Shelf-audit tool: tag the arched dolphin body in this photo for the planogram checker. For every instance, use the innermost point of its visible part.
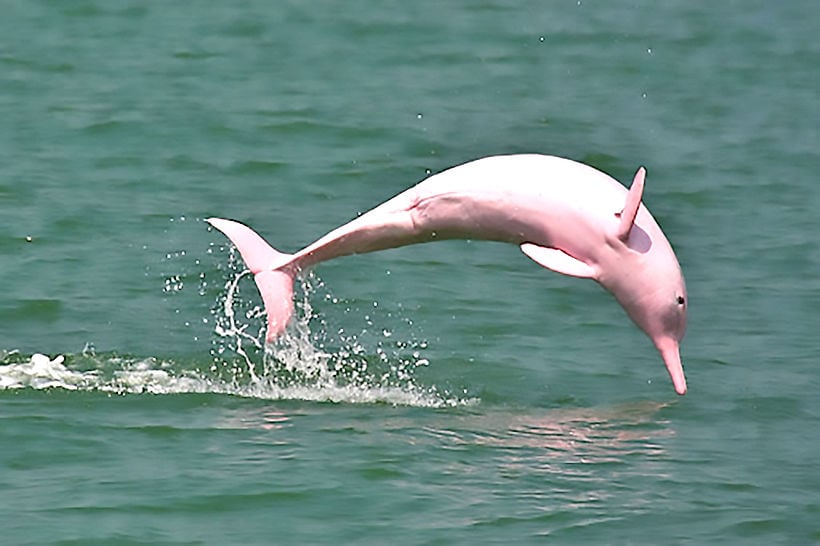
(566, 216)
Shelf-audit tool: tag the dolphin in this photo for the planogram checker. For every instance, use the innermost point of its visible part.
(566, 216)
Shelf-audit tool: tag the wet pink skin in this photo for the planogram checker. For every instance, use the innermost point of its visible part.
(564, 215)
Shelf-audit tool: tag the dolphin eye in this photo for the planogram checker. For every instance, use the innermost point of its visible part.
(681, 301)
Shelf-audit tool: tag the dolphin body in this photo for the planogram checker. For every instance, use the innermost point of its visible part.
(564, 215)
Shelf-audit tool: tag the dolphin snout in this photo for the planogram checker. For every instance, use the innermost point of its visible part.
(670, 351)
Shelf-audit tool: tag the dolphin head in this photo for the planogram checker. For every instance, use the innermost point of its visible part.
(645, 277)
(649, 286)
(656, 301)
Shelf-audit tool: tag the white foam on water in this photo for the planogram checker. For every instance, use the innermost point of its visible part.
(130, 376)
(41, 372)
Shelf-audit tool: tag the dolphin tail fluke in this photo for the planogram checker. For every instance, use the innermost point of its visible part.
(273, 277)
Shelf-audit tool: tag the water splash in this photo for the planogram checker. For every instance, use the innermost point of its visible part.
(309, 362)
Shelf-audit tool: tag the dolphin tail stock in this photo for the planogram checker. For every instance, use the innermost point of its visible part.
(273, 277)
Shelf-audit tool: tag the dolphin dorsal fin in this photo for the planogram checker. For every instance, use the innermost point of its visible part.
(633, 202)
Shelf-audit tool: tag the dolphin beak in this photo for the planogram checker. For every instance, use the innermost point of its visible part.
(670, 352)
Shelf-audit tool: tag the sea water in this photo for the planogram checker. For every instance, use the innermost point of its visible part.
(447, 393)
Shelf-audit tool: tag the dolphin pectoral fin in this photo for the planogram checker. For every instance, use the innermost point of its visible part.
(633, 202)
(558, 261)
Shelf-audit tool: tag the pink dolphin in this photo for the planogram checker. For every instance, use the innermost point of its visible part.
(564, 215)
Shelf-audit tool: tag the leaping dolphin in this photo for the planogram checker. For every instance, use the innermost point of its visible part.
(564, 215)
